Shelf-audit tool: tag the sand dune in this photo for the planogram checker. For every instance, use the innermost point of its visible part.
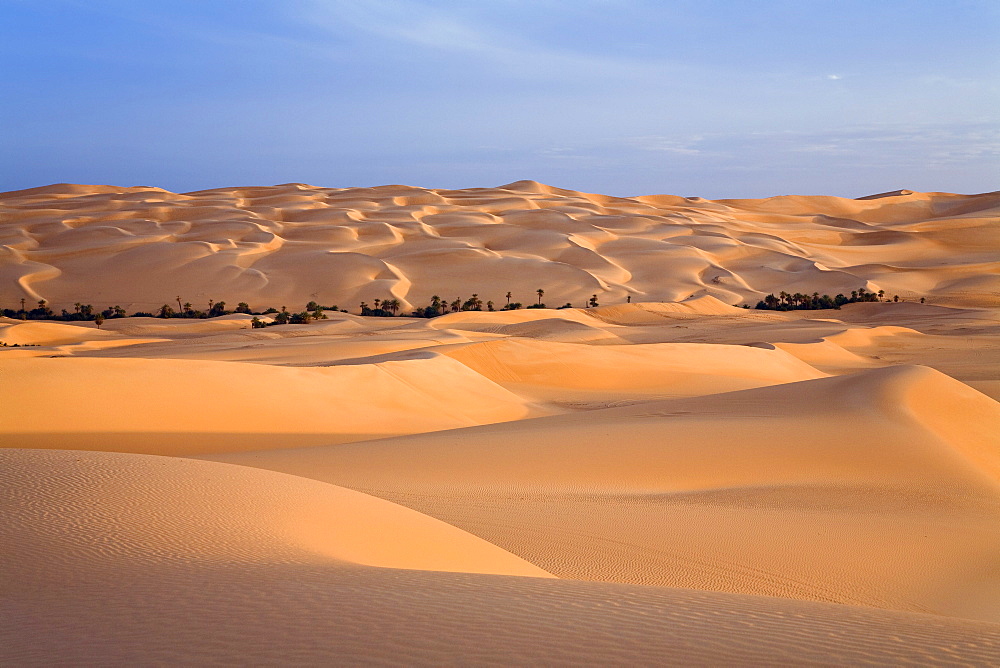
(786, 501)
(171, 560)
(564, 370)
(104, 509)
(159, 406)
(284, 245)
(666, 479)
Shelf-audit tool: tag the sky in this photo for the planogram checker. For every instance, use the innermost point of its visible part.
(711, 98)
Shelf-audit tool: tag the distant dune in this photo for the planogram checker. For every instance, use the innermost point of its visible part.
(286, 245)
(661, 479)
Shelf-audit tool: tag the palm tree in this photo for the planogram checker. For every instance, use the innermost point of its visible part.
(99, 320)
(508, 299)
(377, 302)
(540, 293)
(180, 308)
(489, 306)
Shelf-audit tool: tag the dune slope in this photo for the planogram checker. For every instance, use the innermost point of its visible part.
(165, 407)
(758, 491)
(168, 560)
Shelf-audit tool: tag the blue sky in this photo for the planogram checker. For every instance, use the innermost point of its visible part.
(716, 98)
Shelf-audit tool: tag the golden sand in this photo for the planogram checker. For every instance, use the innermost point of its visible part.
(674, 480)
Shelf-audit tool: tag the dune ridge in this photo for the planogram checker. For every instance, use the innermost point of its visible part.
(288, 244)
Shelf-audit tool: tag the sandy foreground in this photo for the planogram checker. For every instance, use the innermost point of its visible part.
(674, 480)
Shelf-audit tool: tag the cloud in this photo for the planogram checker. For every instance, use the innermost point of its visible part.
(434, 27)
(664, 144)
(834, 77)
(888, 146)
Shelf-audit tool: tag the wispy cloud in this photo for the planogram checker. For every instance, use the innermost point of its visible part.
(885, 145)
(664, 144)
(411, 23)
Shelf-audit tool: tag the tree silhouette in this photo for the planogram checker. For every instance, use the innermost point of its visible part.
(798, 300)
(43, 312)
(540, 293)
(474, 303)
(99, 320)
(508, 298)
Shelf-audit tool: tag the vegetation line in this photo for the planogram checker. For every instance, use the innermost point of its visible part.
(384, 308)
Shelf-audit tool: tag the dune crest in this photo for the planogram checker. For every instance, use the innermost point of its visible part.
(288, 244)
(106, 507)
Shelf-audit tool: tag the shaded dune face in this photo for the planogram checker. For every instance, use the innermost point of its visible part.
(288, 244)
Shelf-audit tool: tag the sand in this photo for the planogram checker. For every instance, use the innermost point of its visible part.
(286, 245)
(675, 480)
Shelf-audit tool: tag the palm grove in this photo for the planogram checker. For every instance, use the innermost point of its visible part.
(391, 307)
